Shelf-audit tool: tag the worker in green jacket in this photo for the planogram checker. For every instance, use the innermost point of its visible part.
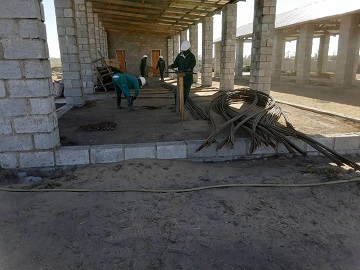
(123, 84)
(185, 61)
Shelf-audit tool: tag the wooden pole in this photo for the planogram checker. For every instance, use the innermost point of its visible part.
(181, 95)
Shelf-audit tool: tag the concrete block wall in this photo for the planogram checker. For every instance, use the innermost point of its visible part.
(207, 50)
(135, 47)
(304, 50)
(69, 49)
(101, 154)
(228, 40)
(262, 45)
(28, 121)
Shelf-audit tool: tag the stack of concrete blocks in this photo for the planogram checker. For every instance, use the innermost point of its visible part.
(262, 46)
(91, 30)
(228, 39)
(193, 34)
(28, 121)
(207, 49)
(84, 47)
(304, 50)
(239, 57)
(69, 49)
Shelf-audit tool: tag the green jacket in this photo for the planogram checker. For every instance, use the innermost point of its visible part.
(185, 63)
(126, 82)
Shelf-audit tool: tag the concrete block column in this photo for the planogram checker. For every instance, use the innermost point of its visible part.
(69, 49)
(239, 57)
(262, 45)
(183, 36)
(91, 33)
(217, 62)
(97, 35)
(278, 55)
(170, 55)
(207, 48)
(348, 51)
(176, 45)
(323, 56)
(106, 44)
(304, 54)
(28, 121)
(84, 47)
(228, 40)
(193, 34)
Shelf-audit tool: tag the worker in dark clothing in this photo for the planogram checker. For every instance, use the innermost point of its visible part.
(123, 84)
(161, 67)
(143, 65)
(185, 61)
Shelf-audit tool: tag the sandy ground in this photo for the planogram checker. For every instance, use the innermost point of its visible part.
(227, 228)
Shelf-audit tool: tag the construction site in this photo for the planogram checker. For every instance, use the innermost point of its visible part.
(257, 169)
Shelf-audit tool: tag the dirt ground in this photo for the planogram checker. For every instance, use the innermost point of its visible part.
(219, 228)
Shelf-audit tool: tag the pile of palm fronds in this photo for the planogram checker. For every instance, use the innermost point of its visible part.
(258, 117)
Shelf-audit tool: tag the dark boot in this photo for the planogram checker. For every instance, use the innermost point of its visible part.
(118, 102)
(130, 103)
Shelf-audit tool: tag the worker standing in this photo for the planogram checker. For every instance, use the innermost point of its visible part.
(143, 65)
(123, 84)
(161, 67)
(185, 61)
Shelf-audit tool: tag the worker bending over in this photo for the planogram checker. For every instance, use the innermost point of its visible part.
(185, 61)
(123, 84)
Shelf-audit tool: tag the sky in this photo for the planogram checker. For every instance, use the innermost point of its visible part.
(245, 14)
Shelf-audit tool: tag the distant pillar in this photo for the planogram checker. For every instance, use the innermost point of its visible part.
(69, 49)
(323, 53)
(207, 48)
(170, 56)
(193, 33)
(278, 56)
(228, 40)
(183, 36)
(97, 34)
(91, 30)
(176, 45)
(217, 61)
(29, 130)
(348, 51)
(239, 64)
(262, 45)
(304, 54)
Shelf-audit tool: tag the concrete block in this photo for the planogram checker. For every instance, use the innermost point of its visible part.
(5, 126)
(140, 150)
(10, 70)
(13, 107)
(9, 160)
(37, 69)
(36, 159)
(171, 150)
(42, 105)
(47, 140)
(8, 29)
(264, 150)
(2, 89)
(30, 88)
(33, 124)
(24, 49)
(21, 9)
(15, 143)
(240, 148)
(72, 155)
(281, 149)
(206, 152)
(106, 153)
(348, 141)
(326, 140)
(32, 29)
